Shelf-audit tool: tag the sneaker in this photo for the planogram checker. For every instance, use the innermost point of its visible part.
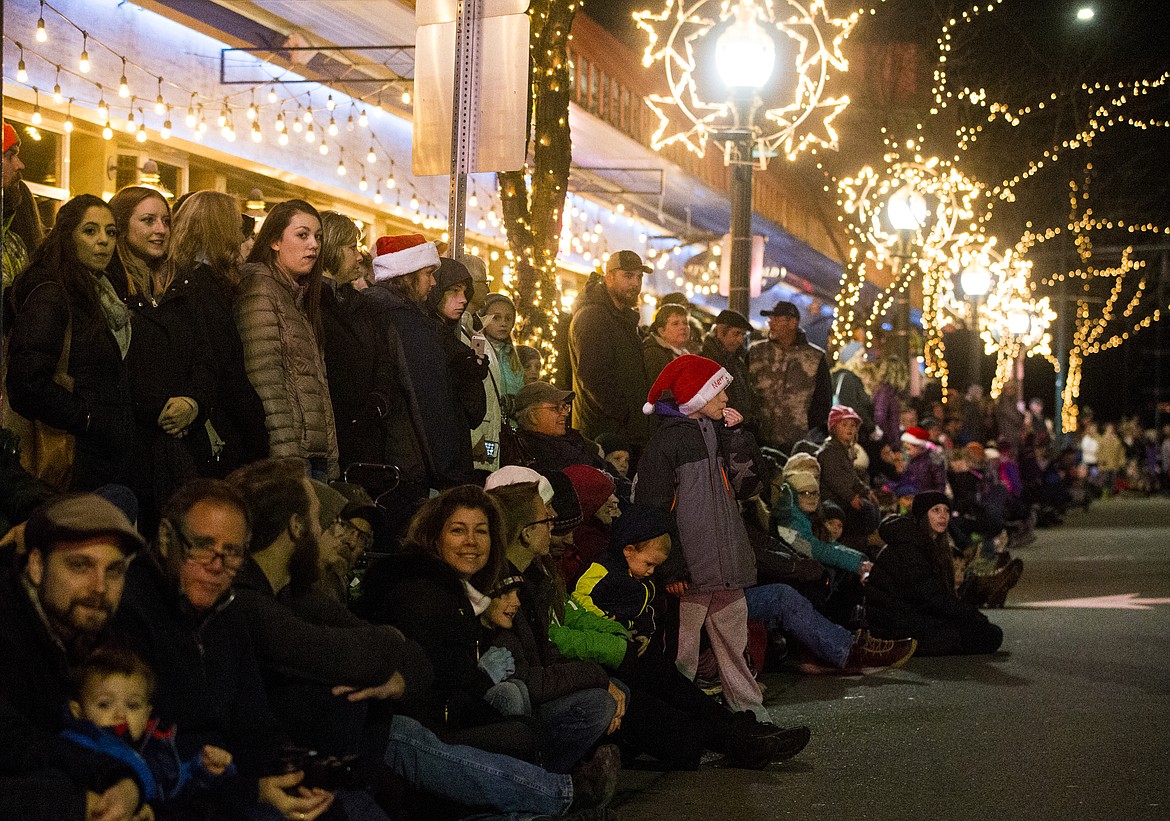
(870, 654)
(755, 744)
(595, 781)
(1003, 581)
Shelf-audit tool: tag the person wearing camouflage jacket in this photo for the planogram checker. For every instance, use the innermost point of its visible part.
(791, 387)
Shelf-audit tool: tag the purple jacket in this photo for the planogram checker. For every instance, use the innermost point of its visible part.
(927, 472)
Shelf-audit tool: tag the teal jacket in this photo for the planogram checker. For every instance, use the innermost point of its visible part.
(786, 513)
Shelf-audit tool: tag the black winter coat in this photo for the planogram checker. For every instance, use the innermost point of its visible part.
(424, 598)
(362, 382)
(539, 666)
(236, 413)
(609, 374)
(209, 681)
(99, 409)
(445, 437)
(34, 687)
(912, 582)
(169, 356)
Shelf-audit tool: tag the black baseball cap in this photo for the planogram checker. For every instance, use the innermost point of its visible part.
(733, 319)
(783, 308)
(626, 261)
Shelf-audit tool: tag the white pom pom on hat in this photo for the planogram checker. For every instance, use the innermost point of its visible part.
(692, 380)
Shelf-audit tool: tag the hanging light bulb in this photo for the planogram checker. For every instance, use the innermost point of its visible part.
(165, 131)
(472, 201)
(190, 119)
(323, 148)
(131, 126)
(140, 134)
(371, 158)
(329, 104)
(160, 105)
(414, 203)
(340, 166)
(58, 98)
(406, 98)
(103, 110)
(310, 134)
(69, 118)
(283, 138)
(36, 112)
(272, 94)
(390, 182)
(222, 120)
(280, 126)
(363, 185)
(332, 128)
(42, 35)
(83, 63)
(378, 196)
(363, 120)
(202, 127)
(308, 115)
(256, 135)
(298, 126)
(107, 133)
(123, 86)
(21, 72)
(253, 112)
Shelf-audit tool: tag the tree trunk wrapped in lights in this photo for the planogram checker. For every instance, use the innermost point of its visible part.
(534, 198)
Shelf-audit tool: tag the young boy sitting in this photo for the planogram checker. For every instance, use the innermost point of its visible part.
(697, 465)
(111, 706)
(667, 716)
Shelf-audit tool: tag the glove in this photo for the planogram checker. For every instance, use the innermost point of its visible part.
(498, 663)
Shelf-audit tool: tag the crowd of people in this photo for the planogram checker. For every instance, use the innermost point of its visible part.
(293, 530)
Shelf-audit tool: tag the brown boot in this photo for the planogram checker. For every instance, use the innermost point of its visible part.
(870, 654)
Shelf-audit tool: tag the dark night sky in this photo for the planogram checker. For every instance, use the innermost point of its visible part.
(1023, 47)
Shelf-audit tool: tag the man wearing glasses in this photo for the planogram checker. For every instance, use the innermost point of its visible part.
(53, 610)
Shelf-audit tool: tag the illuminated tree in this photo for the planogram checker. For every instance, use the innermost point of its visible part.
(534, 198)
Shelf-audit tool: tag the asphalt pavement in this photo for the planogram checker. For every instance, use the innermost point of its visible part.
(1070, 720)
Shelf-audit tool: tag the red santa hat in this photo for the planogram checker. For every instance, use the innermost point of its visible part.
(401, 255)
(692, 380)
(916, 436)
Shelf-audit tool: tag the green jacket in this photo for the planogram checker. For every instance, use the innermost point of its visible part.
(585, 635)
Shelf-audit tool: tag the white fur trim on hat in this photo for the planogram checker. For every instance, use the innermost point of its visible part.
(709, 391)
(406, 261)
(910, 439)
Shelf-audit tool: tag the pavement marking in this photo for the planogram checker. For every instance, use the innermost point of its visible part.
(1121, 601)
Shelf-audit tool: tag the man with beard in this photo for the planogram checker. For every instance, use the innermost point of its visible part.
(54, 609)
(320, 662)
(609, 377)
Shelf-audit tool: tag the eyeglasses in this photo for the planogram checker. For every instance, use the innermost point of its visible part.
(549, 521)
(563, 407)
(360, 537)
(232, 556)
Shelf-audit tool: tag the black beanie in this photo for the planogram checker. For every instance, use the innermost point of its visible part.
(564, 502)
(925, 501)
(639, 523)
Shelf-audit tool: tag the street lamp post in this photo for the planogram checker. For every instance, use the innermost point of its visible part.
(745, 57)
(907, 212)
(975, 282)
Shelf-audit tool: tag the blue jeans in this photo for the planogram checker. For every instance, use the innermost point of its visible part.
(778, 606)
(473, 777)
(573, 724)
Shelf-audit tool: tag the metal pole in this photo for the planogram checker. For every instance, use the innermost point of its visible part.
(975, 355)
(1062, 346)
(901, 319)
(464, 116)
(1161, 338)
(739, 291)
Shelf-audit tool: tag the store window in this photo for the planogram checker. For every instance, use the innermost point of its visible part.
(41, 153)
(139, 168)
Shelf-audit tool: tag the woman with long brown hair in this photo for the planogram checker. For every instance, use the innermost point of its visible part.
(64, 298)
(170, 375)
(278, 313)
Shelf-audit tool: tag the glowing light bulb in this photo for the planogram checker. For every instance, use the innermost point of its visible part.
(107, 133)
(329, 104)
(363, 120)
(140, 135)
(378, 198)
(131, 126)
(371, 158)
(340, 167)
(160, 105)
(283, 138)
(406, 98)
(42, 35)
(165, 131)
(83, 63)
(323, 148)
(390, 182)
(308, 115)
(332, 128)
(253, 112)
(123, 86)
(310, 134)
(256, 135)
(362, 184)
(21, 73)
(272, 95)
(58, 98)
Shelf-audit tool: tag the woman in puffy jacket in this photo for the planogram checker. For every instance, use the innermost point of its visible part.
(278, 313)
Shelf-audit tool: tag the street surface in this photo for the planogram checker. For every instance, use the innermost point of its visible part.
(1071, 720)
